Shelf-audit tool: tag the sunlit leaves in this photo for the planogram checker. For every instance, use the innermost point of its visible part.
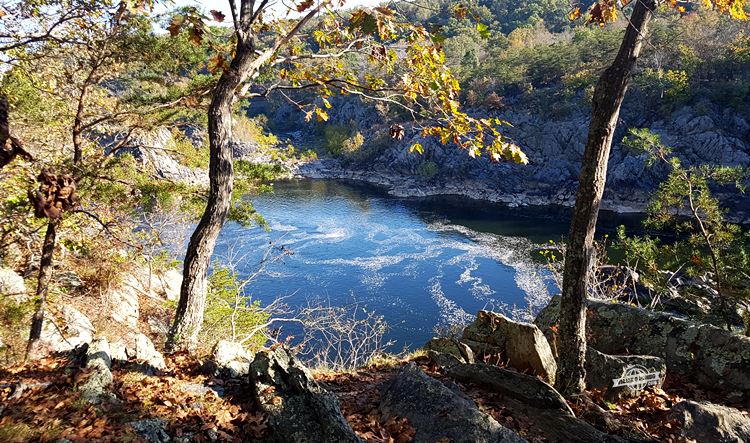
(217, 63)
(484, 30)
(605, 11)
(175, 24)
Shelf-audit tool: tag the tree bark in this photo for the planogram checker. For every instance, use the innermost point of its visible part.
(189, 316)
(42, 286)
(608, 97)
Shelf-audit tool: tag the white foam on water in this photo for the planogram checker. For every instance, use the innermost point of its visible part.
(374, 280)
(450, 313)
(513, 252)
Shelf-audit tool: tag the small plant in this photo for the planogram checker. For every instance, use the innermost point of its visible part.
(185, 152)
(248, 129)
(341, 338)
(230, 313)
(428, 170)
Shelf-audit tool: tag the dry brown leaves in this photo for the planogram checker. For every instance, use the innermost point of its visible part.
(49, 407)
(359, 395)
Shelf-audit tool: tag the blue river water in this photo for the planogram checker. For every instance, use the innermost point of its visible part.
(420, 263)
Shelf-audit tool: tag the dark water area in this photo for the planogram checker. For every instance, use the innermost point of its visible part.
(421, 263)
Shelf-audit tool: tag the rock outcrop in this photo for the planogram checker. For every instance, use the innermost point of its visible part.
(299, 409)
(438, 413)
(537, 401)
(151, 149)
(603, 369)
(71, 329)
(142, 348)
(229, 359)
(123, 298)
(709, 356)
(702, 421)
(98, 365)
(522, 345)
(446, 352)
(12, 286)
(554, 146)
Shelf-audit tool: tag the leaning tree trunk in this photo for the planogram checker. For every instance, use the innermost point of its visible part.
(608, 97)
(189, 316)
(42, 286)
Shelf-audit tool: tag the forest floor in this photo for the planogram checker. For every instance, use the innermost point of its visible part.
(39, 402)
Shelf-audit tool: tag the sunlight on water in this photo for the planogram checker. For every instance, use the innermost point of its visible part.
(419, 264)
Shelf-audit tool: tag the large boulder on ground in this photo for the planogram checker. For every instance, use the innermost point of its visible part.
(230, 359)
(123, 298)
(450, 346)
(703, 421)
(522, 387)
(603, 369)
(66, 331)
(12, 286)
(140, 347)
(438, 413)
(522, 344)
(709, 356)
(298, 408)
(98, 365)
(534, 400)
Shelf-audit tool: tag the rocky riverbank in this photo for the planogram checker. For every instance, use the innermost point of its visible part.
(553, 144)
(493, 382)
(554, 147)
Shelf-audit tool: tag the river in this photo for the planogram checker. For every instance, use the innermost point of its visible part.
(420, 263)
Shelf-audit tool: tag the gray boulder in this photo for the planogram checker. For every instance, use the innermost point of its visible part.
(522, 345)
(298, 408)
(152, 430)
(71, 329)
(98, 364)
(438, 413)
(535, 401)
(12, 286)
(703, 421)
(142, 348)
(68, 279)
(524, 388)
(709, 356)
(230, 359)
(451, 346)
(118, 350)
(603, 369)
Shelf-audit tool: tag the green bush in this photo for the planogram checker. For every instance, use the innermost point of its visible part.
(428, 170)
(230, 313)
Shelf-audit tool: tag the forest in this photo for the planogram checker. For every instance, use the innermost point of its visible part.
(430, 221)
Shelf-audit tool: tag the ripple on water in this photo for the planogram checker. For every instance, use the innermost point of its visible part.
(417, 272)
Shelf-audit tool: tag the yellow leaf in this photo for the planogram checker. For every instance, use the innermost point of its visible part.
(321, 115)
(416, 147)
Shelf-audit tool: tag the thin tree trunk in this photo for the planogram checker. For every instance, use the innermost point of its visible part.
(608, 97)
(42, 286)
(189, 316)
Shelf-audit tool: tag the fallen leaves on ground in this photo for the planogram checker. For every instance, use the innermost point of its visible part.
(49, 407)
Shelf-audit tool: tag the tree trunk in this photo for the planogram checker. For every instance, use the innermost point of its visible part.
(189, 316)
(42, 286)
(608, 97)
